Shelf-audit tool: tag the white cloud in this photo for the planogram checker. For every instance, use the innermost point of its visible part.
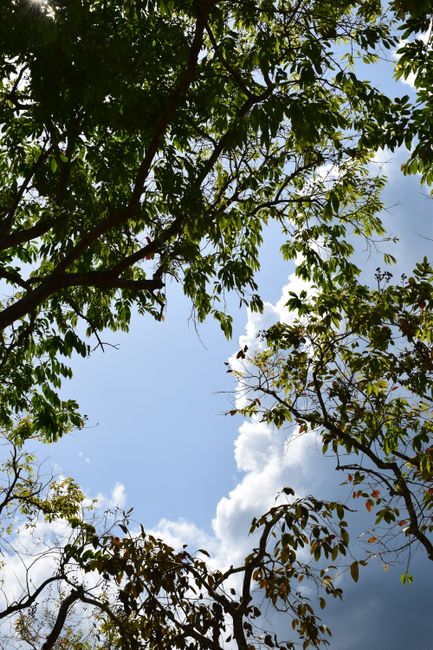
(253, 446)
(117, 499)
(262, 453)
(177, 533)
(32, 554)
(118, 496)
(20, 563)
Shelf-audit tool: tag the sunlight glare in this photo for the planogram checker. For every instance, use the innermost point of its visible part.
(42, 5)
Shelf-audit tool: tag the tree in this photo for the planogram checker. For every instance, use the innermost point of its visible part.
(147, 140)
(355, 365)
(415, 59)
(142, 141)
(356, 368)
(87, 579)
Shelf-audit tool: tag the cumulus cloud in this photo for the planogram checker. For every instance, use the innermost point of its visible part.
(268, 460)
(117, 498)
(263, 455)
(177, 533)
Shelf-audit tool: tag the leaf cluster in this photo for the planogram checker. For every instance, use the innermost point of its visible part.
(112, 584)
(356, 369)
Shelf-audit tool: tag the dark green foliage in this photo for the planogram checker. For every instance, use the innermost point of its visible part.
(405, 122)
(143, 141)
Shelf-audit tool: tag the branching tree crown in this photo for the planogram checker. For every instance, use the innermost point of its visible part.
(142, 141)
(88, 579)
(357, 369)
(147, 140)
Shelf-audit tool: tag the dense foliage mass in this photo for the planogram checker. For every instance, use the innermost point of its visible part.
(142, 141)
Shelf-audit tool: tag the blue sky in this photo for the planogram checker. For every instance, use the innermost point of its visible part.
(156, 408)
(157, 427)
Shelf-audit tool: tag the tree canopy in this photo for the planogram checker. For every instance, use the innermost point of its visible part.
(356, 368)
(143, 141)
(89, 579)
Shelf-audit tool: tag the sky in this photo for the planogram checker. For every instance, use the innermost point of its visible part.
(157, 437)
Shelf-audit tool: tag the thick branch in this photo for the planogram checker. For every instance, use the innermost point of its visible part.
(61, 618)
(24, 603)
(120, 216)
(99, 280)
(13, 277)
(105, 280)
(21, 236)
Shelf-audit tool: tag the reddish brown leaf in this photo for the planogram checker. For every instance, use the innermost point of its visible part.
(354, 571)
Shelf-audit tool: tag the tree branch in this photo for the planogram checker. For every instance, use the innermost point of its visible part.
(56, 282)
(346, 438)
(75, 595)
(177, 94)
(24, 603)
